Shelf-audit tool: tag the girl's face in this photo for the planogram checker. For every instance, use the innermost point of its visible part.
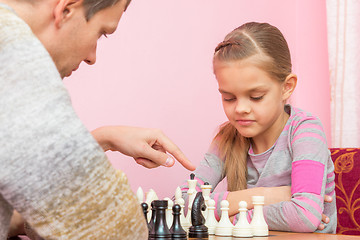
(253, 101)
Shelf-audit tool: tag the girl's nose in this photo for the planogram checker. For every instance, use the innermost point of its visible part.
(242, 107)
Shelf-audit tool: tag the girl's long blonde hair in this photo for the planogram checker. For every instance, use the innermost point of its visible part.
(248, 40)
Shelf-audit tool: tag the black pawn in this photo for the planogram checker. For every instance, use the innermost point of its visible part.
(176, 229)
(160, 229)
(145, 210)
(192, 176)
(152, 220)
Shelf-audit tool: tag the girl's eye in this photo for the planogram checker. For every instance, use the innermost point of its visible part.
(104, 34)
(257, 98)
(228, 99)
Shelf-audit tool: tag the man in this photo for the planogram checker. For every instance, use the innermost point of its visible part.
(54, 172)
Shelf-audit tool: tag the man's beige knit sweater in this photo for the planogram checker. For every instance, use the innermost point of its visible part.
(52, 170)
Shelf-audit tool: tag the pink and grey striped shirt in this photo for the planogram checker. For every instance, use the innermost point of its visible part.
(300, 158)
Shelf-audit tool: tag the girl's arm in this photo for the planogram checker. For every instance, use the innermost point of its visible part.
(271, 195)
(210, 170)
(311, 179)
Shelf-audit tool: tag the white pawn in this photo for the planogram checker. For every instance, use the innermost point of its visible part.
(178, 193)
(183, 221)
(224, 227)
(211, 221)
(150, 196)
(258, 224)
(242, 227)
(168, 212)
(140, 195)
(206, 190)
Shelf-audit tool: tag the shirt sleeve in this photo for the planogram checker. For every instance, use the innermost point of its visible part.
(209, 170)
(310, 157)
(52, 170)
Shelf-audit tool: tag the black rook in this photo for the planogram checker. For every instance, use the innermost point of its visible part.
(160, 229)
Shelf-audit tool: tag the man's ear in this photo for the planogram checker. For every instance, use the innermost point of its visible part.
(64, 9)
(289, 86)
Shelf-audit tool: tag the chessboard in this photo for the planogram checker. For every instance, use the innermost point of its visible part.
(273, 235)
(277, 235)
(167, 220)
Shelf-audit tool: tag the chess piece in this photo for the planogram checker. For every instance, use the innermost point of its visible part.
(140, 195)
(177, 232)
(258, 224)
(145, 207)
(178, 193)
(242, 227)
(224, 227)
(183, 221)
(211, 221)
(198, 228)
(191, 194)
(150, 197)
(153, 216)
(206, 190)
(160, 229)
(169, 212)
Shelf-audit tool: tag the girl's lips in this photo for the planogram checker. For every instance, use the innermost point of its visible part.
(245, 122)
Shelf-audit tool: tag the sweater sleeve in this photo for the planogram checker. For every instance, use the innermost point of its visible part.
(53, 171)
(209, 170)
(310, 156)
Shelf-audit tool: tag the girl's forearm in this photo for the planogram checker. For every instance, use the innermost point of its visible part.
(271, 194)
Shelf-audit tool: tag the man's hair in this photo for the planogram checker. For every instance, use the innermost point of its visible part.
(94, 6)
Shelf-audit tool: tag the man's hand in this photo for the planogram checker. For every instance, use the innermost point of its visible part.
(16, 225)
(147, 146)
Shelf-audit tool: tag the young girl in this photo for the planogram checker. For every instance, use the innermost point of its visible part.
(267, 147)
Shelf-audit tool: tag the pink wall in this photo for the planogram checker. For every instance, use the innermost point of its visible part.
(156, 71)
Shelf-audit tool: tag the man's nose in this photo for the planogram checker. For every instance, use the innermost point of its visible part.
(91, 58)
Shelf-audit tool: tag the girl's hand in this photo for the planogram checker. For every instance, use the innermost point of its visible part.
(147, 146)
(325, 218)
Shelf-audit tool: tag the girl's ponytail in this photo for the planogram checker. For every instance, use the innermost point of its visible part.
(233, 148)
